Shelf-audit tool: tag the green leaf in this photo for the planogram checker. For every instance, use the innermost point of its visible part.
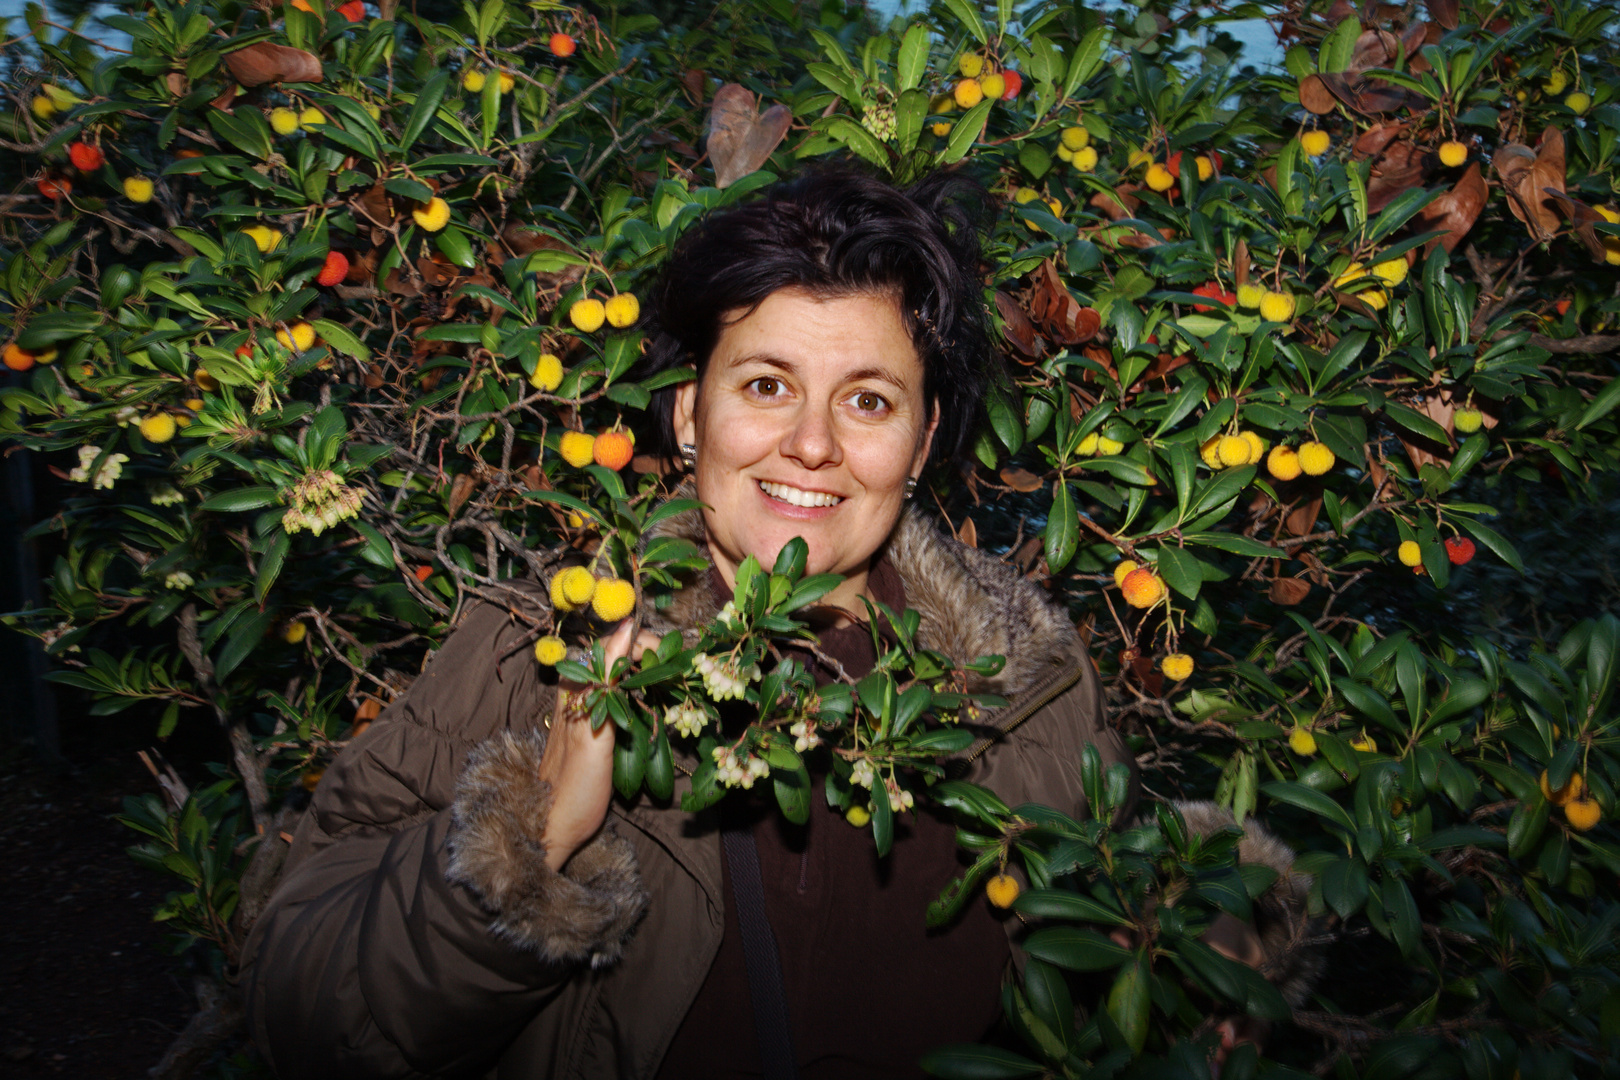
(1180, 571)
(1493, 540)
(792, 793)
(230, 502)
(969, 18)
(1416, 423)
(243, 638)
(341, 339)
(427, 104)
(850, 133)
(965, 133)
(1087, 58)
(971, 1061)
(913, 57)
(1061, 904)
(275, 555)
(1309, 799)
(1076, 949)
(453, 244)
(1601, 405)
(376, 550)
(1062, 530)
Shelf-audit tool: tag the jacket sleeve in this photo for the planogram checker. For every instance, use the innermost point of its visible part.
(417, 928)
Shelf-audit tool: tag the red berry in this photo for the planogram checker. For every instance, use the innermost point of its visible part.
(1459, 549)
(336, 267)
(245, 350)
(562, 44)
(354, 11)
(86, 158)
(1015, 83)
(55, 187)
(1214, 292)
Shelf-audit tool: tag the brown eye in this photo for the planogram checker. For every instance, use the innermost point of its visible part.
(869, 402)
(767, 386)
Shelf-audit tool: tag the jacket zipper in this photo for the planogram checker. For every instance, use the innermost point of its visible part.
(1060, 682)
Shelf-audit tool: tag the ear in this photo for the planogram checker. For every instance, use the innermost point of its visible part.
(927, 444)
(683, 418)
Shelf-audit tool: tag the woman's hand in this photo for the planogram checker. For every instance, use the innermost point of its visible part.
(578, 762)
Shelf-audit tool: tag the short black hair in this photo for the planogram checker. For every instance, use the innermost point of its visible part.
(833, 232)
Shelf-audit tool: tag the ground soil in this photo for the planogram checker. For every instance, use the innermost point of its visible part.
(87, 987)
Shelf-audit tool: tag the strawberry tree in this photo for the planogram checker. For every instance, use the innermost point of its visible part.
(324, 320)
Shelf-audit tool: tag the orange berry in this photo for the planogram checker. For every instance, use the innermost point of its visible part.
(562, 45)
(1583, 813)
(1002, 890)
(612, 450)
(19, 359)
(1572, 789)
(1142, 588)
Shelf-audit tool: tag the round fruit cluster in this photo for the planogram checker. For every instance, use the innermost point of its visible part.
(611, 599)
(981, 81)
(610, 449)
(1140, 585)
(619, 311)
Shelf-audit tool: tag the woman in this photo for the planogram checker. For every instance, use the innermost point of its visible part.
(465, 895)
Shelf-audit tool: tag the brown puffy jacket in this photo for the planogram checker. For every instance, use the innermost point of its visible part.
(416, 929)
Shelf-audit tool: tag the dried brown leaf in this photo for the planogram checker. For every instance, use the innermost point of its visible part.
(1289, 591)
(968, 533)
(740, 139)
(266, 62)
(1455, 211)
(1315, 96)
(1528, 176)
(1020, 479)
(1019, 331)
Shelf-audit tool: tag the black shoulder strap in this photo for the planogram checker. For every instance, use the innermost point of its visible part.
(764, 965)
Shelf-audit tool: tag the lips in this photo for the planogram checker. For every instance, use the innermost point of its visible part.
(798, 496)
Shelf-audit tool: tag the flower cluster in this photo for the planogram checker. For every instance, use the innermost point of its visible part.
(804, 735)
(178, 579)
(686, 718)
(166, 495)
(106, 476)
(899, 799)
(739, 772)
(725, 679)
(879, 120)
(319, 501)
(863, 774)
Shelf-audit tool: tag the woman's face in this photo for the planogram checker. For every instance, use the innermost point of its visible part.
(808, 421)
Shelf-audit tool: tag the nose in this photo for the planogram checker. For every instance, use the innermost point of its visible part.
(812, 440)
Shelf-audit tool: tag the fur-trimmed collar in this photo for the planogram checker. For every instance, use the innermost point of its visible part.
(971, 603)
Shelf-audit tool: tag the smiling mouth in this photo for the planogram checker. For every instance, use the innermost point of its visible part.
(796, 497)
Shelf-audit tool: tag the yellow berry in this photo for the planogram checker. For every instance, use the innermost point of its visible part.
(1302, 742)
(44, 108)
(613, 599)
(311, 117)
(1390, 271)
(472, 80)
(204, 380)
(1453, 153)
(968, 93)
(1206, 168)
(1572, 788)
(1315, 143)
(264, 238)
(548, 373)
(158, 428)
(195, 404)
(300, 337)
(1124, 567)
(1211, 451)
(1138, 159)
(1315, 458)
(622, 310)
(1177, 666)
(858, 815)
(993, 85)
(1583, 813)
(1002, 890)
(1087, 446)
(432, 216)
(1075, 138)
(1364, 742)
(572, 588)
(941, 129)
(549, 650)
(1085, 159)
(588, 314)
(138, 189)
(1257, 446)
(1065, 154)
(1277, 307)
(970, 64)
(1159, 178)
(1467, 421)
(508, 81)
(1578, 103)
(295, 632)
(1556, 81)
(1283, 463)
(283, 121)
(1106, 446)
(1233, 450)
(1409, 553)
(576, 448)
(1250, 294)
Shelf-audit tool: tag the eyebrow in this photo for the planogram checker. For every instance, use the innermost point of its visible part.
(860, 374)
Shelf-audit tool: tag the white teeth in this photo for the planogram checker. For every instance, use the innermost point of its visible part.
(799, 498)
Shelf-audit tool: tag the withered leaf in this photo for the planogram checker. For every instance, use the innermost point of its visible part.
(740, 139)
(266, 62)
(1019, 331)
(1582, 217)
(461, 489)
(1302, 518)
(1401, 167)
(1063, 318)
(1315, 96)
(1455, 211)
(1444, 12)
(1020, 479)
(968, 533)
(1288, 591)
(1527, 176)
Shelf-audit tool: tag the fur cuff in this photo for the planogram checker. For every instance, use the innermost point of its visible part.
(585, 913)
(1282, 913)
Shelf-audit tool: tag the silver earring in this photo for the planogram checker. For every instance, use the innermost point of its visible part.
(689, 455)
(911, 486)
